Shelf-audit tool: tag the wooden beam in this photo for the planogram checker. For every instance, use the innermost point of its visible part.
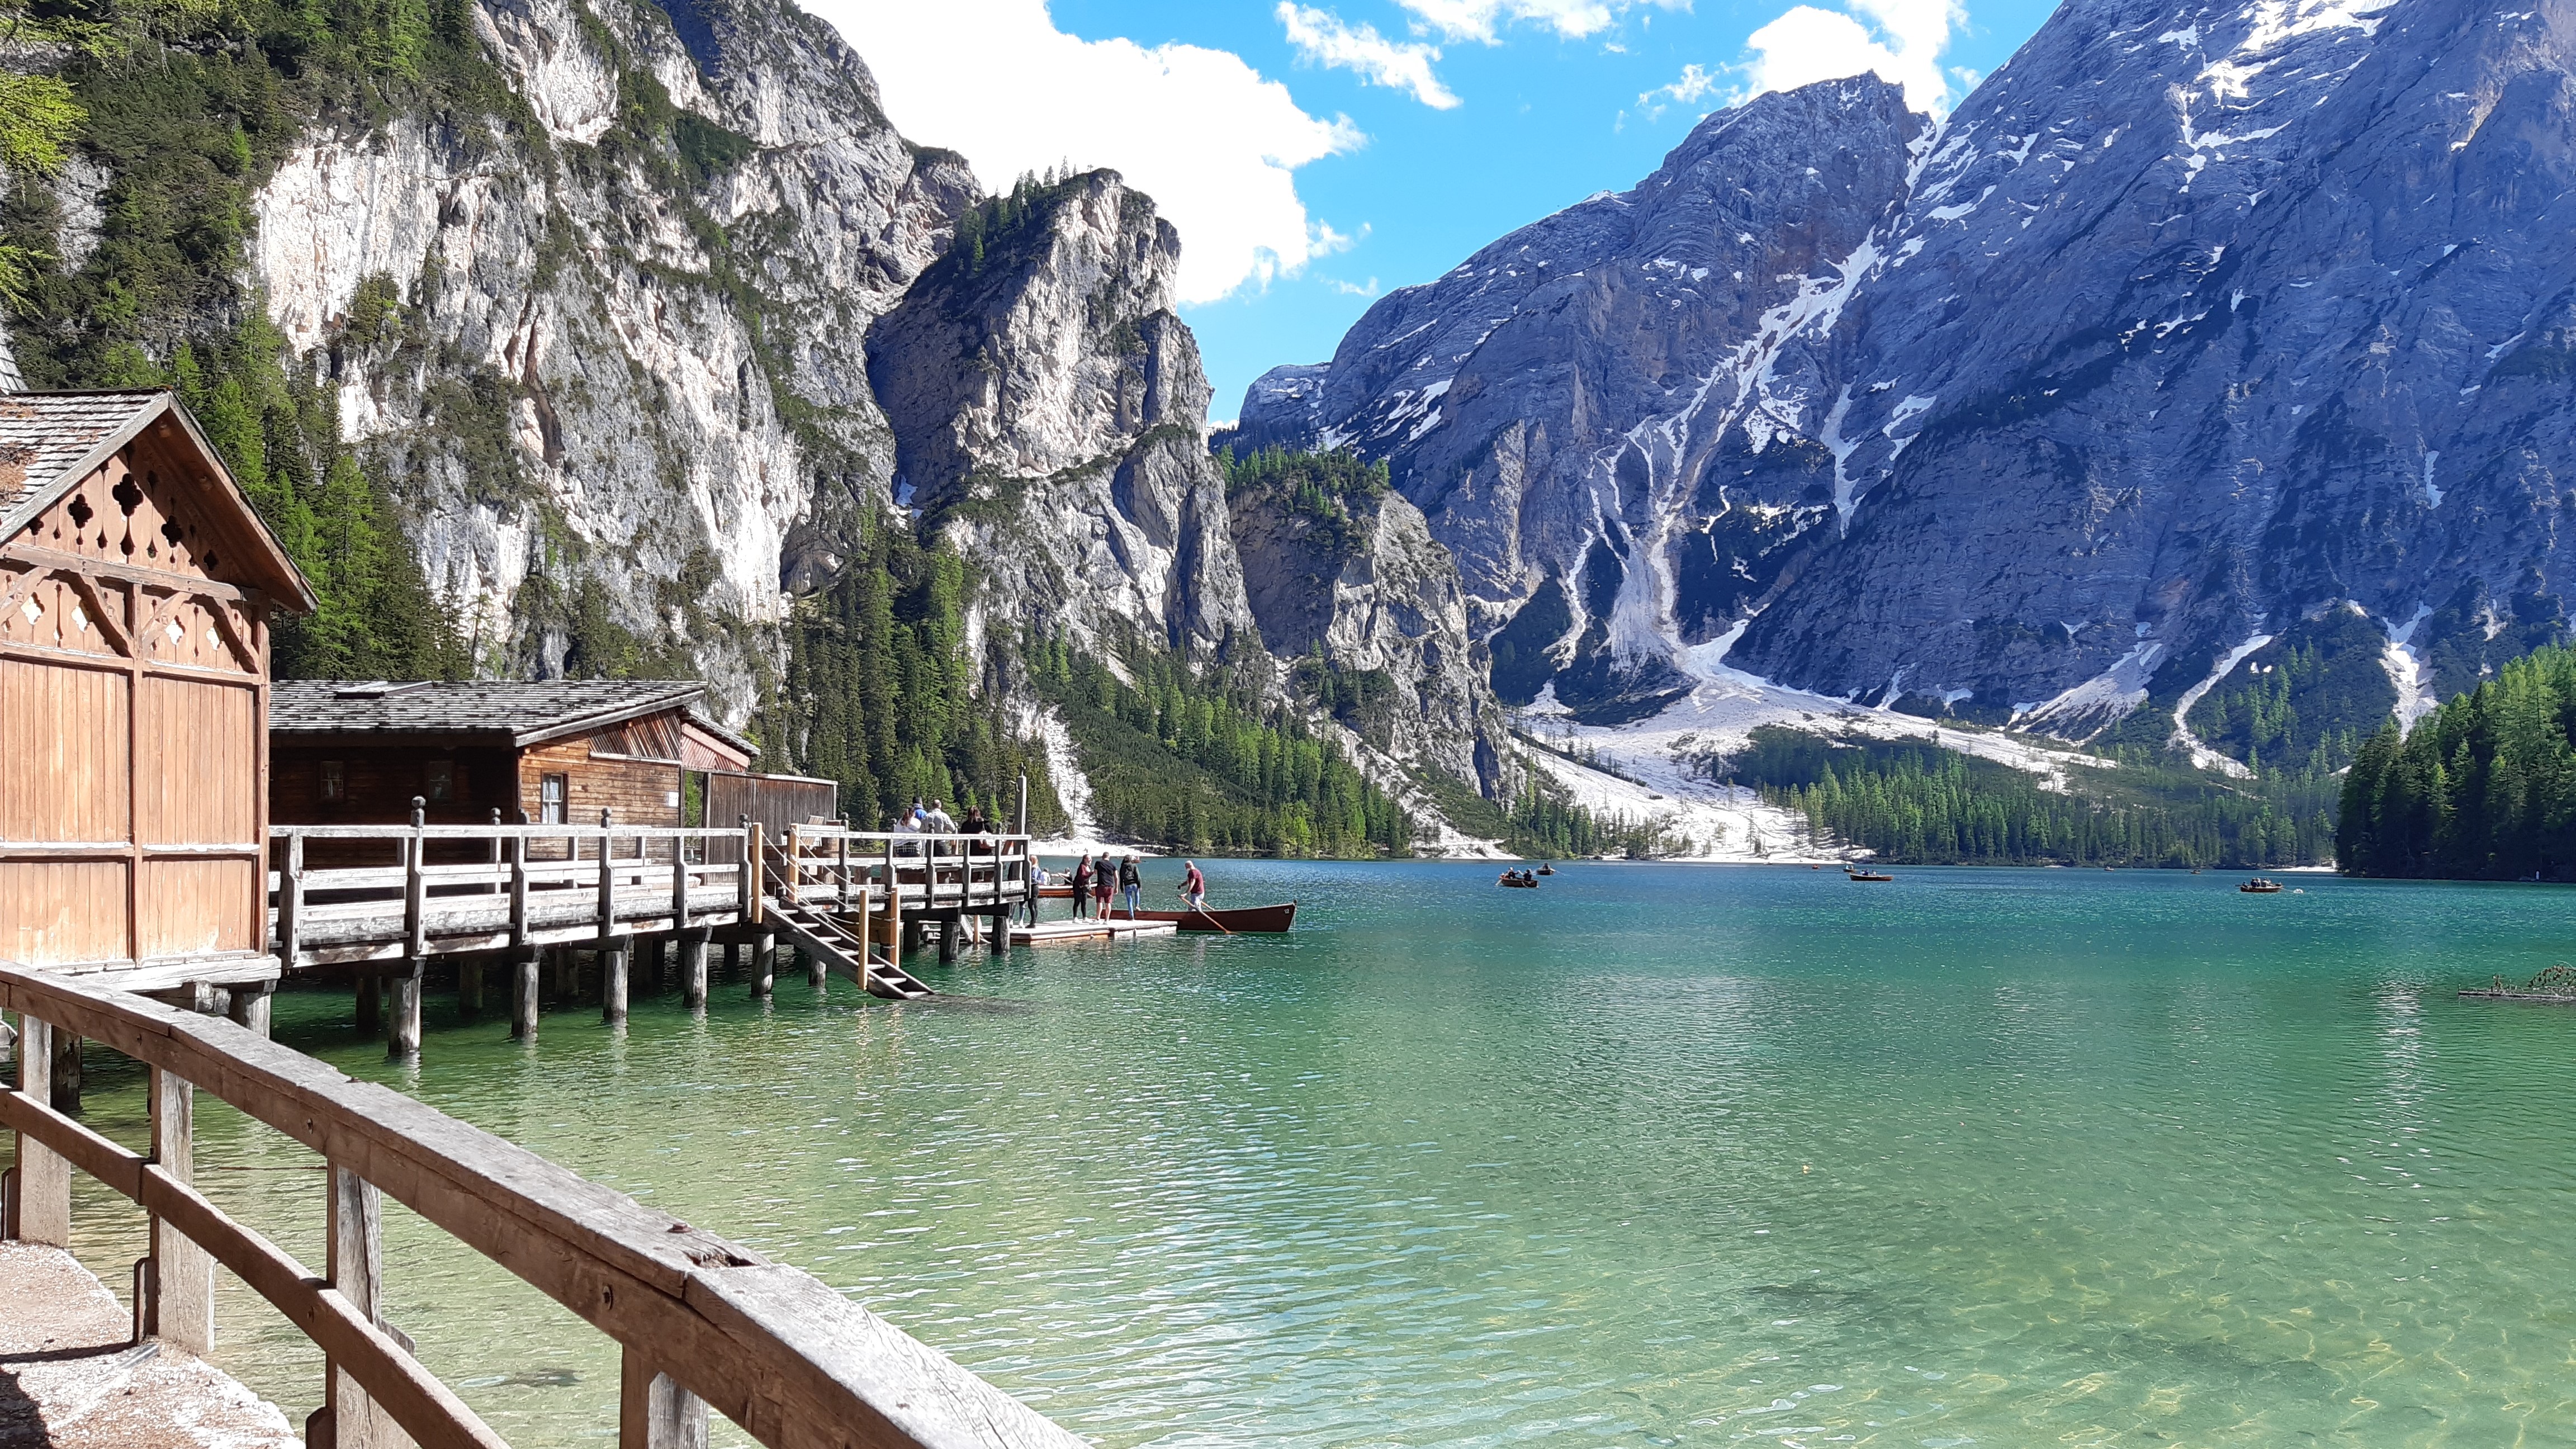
(57, 560)
(40, 1188)
(183, 1274)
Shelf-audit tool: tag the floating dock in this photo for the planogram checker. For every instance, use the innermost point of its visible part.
(1052, 933)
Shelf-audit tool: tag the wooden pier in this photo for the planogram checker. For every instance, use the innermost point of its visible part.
(1088, 928)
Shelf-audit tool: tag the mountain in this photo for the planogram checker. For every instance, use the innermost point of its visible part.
(2191, 328)
(622, 338)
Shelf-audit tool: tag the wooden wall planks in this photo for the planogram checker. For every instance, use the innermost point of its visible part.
(67, 776)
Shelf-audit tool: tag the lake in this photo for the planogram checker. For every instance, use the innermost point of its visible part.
(1654, 1154)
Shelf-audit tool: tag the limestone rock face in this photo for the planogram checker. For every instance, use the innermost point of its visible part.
(617, 379)
(1375, 604)
(1049, 415)
(2187, 325)
(1565, 405)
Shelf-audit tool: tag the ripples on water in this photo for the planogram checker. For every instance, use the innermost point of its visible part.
(1653, 1155)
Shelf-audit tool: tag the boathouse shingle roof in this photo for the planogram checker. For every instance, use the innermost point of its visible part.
(50, 441)
(504, 711)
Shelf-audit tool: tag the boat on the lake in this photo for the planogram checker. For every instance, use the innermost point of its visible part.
(1851, 874)
(1547, 870)
(1518, 880)
(2259, 886)
(1239, 921)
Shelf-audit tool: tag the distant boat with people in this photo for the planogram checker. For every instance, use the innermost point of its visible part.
(2259, 886)
(1518, 880)
(1865, 875)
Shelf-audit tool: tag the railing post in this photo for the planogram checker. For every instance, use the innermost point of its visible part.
(795, 895)
(743, 886)
(759, 874)
(349, 1418)
(290, 904)
(523, 956)
(182, 1305)
(40, 1186)
(404, 1038)
(653, 1412)
(841, 897)
(612, 954)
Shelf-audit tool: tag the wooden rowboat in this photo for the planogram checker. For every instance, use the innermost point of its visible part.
(1241, 921)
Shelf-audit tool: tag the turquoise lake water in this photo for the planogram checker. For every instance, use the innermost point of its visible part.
(1653, 1155)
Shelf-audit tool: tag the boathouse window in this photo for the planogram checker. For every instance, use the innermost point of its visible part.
(550, 800)
(335, 780)
(438, 781)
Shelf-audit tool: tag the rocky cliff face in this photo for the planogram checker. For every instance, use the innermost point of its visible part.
(608, 351)
(1049, 414)
(1367, 608)
(2190, 324)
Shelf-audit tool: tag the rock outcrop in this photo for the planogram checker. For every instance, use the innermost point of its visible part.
(2190, 323)
(1367, 609)
(608, 354)
(1049, 416)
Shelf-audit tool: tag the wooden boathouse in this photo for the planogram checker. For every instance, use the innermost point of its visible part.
(544, 752)
(137, 588)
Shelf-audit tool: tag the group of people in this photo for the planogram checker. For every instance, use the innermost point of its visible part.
(1095, 880)
(930, 819)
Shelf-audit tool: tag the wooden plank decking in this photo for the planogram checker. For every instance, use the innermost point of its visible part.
(1089, 928)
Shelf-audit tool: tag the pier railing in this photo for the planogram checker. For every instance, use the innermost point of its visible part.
(703, 1323)
(835, 868)
(402, 892)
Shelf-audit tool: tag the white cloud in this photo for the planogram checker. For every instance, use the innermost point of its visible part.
(1689, 87)
(1323, 39)
(1901, 40)
(1482, 20)
(1352, 289)
(1208, 138)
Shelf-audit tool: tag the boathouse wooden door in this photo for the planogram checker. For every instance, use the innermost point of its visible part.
(136, 587)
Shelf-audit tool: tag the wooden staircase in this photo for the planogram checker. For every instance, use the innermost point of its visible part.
(841, 950)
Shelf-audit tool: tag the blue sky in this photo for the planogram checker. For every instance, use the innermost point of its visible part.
(1316, 155)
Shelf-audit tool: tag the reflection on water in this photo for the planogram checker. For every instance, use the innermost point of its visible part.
(1657, 1154)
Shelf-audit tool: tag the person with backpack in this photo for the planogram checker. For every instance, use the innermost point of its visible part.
(1131, 883)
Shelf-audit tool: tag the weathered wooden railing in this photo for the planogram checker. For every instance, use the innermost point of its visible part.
(703, 1323)
(894, 876)
(608, 880)
(825, 865)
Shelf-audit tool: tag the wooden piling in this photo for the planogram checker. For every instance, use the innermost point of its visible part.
(66, 1090)
(764, 965)
(469, 986)
(403, 1040)
(370, 1005)
(181, 1305)
(523, 995)
(693, 969)
(250, 1006)
(612, 985)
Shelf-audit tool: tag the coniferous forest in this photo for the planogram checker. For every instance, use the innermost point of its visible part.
(2483, 788)
(1924, 805)
(189, 103)
(1188, 760)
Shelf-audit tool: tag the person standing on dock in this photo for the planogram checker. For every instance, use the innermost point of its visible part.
(1131, 883)
(1194, 886)
(1104, 879)
(1082, 885)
